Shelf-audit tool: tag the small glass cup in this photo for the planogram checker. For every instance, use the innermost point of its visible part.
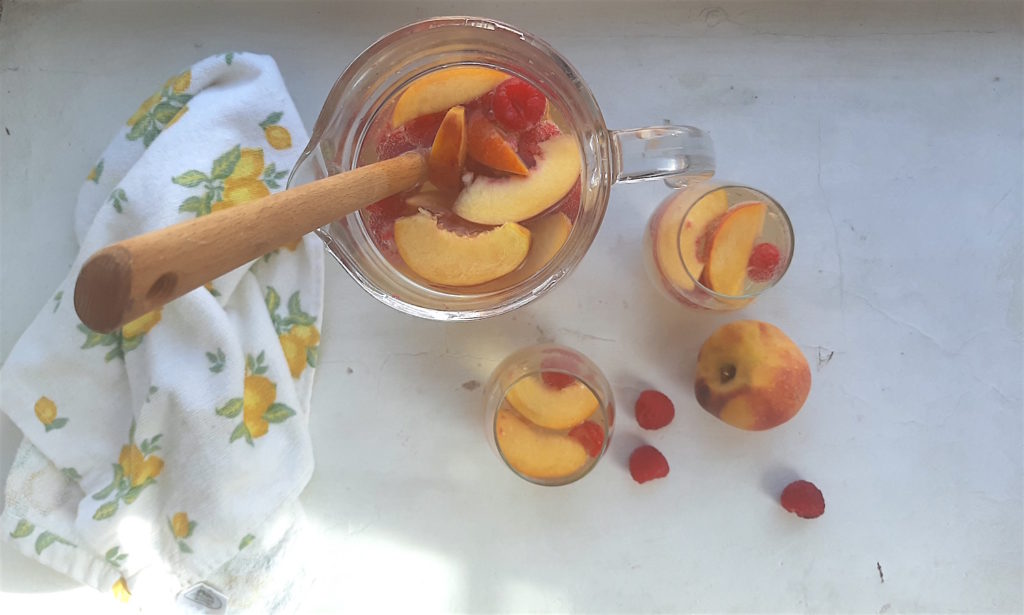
(549, 414)
(742, 230)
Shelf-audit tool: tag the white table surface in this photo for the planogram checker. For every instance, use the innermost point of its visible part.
(893, 135)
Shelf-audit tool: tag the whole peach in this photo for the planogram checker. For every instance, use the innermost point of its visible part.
(750, 375)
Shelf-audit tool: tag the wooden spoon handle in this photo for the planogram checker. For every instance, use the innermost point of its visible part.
(125, 280)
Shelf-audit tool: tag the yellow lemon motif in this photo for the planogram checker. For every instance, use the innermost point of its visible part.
(250, 164)
(180, 524)
(137, 467)
(278, 137)
(307, 333)
(141, 325)
(180, 83)
(46, 410)
(294, 352)
(257, 396)
(120, 589)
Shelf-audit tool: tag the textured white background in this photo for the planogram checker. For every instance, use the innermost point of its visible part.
(892, 133)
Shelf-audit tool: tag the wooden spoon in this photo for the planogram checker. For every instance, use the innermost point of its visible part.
(127, 279)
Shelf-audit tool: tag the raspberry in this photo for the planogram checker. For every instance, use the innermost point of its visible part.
(764, 260)
(557, 380)
(394, 143)
(422, 130)
(517, 105)
(654, 410)
(380, 222)
(804, 499)
(647, 463)
(530, 140)
(590, 435)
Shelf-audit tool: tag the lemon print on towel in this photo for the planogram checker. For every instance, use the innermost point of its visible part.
(161, 110)
(136, 469)
(277, 136)
(125, 339)
(46, 412)
(297, 332)
(258, 405)
(182, 528)
(237, 176)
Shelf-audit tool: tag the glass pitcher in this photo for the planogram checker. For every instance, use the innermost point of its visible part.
(678, 154)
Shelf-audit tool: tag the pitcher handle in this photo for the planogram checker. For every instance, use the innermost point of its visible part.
(681, 155)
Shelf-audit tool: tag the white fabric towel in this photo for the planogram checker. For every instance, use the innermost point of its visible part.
(172, 452)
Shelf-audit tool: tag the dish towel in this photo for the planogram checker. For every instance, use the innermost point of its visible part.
(164, 461)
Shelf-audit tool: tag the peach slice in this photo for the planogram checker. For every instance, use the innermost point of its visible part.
(448, 153)
(452, 259)
(440, 90)
(671, 242)
(549, 235)
(488, 146)
(496, 200)
(536, 453)
(550, 407)
(731, 246)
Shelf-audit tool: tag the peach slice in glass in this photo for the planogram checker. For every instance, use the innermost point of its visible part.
(672, 241)
(731, 245)
(496, 200)
(488, 146)
(551, 407)
(448, 258)
(448, 152)
(443, 89)
(536, 453)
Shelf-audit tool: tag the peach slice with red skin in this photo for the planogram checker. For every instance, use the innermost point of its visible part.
(496, 200)
(731, 245)
(536, 453)
(677, 248)
(489, 146)
(448, 258)
(443, 89)
(552, 407)
(448, 152)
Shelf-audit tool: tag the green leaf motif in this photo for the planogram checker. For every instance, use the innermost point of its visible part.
(152, 389)
(223, 166)
(231, 409)
(133, 494)
(111, 553)
(294, 307)
(273, 299)
(217, 361)
(190, 179)
(139, 129)
(23, 529)
(57, 423)
(278, 413)
(71, 474)
(56, 300)
(241, 432)
(229, 57)
(191, 528)
(165, 111)
(193, 205)
(184, 547)
(48, 538)
(246, 541)
(131, 343)
(106, 511)
(114, 353)
(312, 355)
(106, 491)
(272, 119)
(44, 540)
